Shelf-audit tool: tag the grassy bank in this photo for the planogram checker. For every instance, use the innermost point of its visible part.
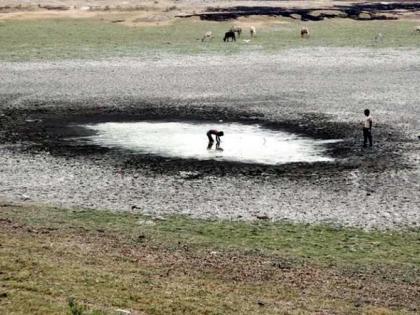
(107, 261)
(92, 38)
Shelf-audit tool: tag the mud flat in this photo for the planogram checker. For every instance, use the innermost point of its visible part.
(313, 92)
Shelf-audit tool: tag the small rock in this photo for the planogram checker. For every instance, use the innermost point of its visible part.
(145, 222)
(122, 312)
(31, 120)
(263, 217)
(189, 175)
(54, 7)
(260, 303)
(159, 218)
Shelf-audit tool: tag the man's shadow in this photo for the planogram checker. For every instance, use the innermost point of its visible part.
(218, 147)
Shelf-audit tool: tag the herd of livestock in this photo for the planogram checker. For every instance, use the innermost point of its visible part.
(236, 31)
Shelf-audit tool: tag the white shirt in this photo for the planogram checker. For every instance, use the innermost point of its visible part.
(367, 122)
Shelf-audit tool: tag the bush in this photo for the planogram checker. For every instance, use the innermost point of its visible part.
(74, 308)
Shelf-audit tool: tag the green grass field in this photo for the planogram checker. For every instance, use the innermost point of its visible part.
(94, 39)
(107, 261)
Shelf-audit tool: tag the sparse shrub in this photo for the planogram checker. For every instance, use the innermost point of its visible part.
(171, 8)
(74, 308)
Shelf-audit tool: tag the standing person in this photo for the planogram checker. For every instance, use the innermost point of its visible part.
(216, 133)
(367, 129)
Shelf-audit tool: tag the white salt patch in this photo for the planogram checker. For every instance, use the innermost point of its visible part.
(241, 142)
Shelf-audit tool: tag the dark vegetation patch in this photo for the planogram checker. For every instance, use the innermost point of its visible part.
(356, 11)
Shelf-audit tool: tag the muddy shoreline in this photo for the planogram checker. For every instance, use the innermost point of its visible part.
(51, 131)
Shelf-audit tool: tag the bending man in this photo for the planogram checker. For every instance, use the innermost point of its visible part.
(217, 134)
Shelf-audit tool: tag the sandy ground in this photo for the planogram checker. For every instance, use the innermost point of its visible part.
(162, 12)
(324, 88)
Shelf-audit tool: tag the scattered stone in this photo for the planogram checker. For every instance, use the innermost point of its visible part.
(282, 264)
(122, 312)
(145, 222)
(262, 217)
(190, 175)
(31, 120)
(54, 7)
(260, 303)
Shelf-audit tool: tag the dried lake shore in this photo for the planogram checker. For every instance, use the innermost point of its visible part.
(319, 92)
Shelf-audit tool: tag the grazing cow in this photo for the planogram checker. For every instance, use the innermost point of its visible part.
(252, 31)
(379, 37)
(208, 35)
(304, 32)
(236, 29)
(417, 29)
(229, 35)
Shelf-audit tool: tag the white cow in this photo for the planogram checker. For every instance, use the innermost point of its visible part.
(208, 35)
(379, 37)
(252, 31)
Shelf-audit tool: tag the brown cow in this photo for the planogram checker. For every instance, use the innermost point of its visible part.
(237, 30)
(304, 32)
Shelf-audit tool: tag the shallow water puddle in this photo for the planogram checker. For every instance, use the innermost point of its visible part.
(241, 142)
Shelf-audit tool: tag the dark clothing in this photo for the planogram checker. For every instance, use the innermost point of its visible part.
(211, 140)
(213, 132)
(367, 135)
(210, 133)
